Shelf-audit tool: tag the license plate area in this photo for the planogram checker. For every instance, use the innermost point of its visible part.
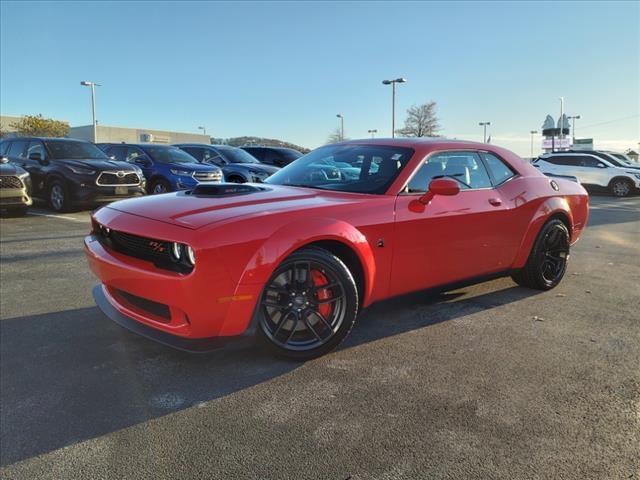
(122, 190)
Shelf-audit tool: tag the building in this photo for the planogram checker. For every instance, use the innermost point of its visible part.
(108, 134)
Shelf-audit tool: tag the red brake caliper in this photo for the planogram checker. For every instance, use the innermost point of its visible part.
(319, 279)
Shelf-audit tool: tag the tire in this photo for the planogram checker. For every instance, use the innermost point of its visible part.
(308, 306)
(58, 197)
(159, 186)
(236, 179)
(620, 187)
(547, 262)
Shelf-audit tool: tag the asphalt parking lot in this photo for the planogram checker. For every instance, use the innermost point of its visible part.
(491, 381)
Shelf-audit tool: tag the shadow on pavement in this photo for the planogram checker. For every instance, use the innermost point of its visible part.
(69, 376)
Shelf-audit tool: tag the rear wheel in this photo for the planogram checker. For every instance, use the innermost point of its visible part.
(547, 262)
(620, 187)
(308, 306)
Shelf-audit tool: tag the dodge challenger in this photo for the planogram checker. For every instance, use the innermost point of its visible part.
(292, 261)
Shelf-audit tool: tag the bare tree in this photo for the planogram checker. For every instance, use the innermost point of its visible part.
(421, 121)
(335, 136)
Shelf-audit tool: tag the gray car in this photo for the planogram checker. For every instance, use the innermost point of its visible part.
(15, 186)
(237, 165)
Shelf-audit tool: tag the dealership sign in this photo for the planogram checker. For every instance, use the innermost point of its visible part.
(549, 143)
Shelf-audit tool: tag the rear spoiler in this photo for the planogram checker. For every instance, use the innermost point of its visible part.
(564, 177)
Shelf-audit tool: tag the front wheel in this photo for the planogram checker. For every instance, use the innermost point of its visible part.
(58, 196)
(621, 187)
(308, 306)
(547, 262)
(160, 186)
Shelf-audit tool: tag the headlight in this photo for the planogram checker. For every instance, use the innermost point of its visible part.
(24, 175)
(181, 173)
(191, 256)
(259, 174)
(637, 175)
(80, 170)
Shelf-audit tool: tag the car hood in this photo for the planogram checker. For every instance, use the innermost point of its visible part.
(196, 211)
(256, 167)
(10, 169)
(97, 163)
(194, 167)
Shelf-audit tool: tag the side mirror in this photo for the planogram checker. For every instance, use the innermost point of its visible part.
(4, 159)
(144, 161)
(112, 157)
(601, 165)
(440, 186)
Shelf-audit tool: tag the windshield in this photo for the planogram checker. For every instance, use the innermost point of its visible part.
(169, 155)
(236, 155)
(76, 150)
(623, 158)
(346, 168)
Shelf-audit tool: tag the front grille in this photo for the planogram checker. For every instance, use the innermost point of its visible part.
(208, 176)
(114, 179)
(157, 309)
(10, 181)
(156, 251)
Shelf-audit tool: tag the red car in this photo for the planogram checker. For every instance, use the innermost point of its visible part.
(293, 260)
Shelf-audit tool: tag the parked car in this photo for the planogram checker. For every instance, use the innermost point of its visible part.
(276, 156)
(67, 172)
(624, 159)
(295, 259)
(166, 167)
(618, 160)
(238, 166)
(15, 186)
(591, 170)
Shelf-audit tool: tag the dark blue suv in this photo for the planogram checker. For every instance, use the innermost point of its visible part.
(165, 167)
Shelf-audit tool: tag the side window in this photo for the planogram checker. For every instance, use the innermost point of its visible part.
(18, 149)
(36, 147)
(565, 160)
(119, 152)
(257, 153)
(465, 167)
(272, 158)
(590, 162)
(4, 146)
(133, 153)
(500, 172)
(210, 156)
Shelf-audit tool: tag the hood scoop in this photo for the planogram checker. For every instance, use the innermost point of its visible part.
(224, 190)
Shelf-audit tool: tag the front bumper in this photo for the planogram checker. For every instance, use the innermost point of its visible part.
(92, 194)
(192, 345)
(14, 197)
(198, 305)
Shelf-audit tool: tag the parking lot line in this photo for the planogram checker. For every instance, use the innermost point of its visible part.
(73, 219)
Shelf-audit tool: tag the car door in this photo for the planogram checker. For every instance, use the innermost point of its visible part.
(452, 237)
(36, 168)
(593, 170)
(141, 159)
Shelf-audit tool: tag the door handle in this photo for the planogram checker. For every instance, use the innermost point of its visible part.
(496, 202)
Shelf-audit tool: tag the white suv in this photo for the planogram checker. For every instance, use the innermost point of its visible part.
(591, 169)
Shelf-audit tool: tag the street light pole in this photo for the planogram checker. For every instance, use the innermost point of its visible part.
(341, 117)
(484, 124)
(93, 86)
(573, 119)
(373, 132)
(532, 132)
(204, 130)
(393, 101)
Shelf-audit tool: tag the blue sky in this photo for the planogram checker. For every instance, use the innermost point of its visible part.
(284, 69)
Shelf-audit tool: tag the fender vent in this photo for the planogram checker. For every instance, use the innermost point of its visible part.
(224, 190)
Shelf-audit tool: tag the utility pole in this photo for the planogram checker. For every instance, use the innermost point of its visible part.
(484, 124)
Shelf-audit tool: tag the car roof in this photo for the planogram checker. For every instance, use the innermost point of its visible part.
(48, 139)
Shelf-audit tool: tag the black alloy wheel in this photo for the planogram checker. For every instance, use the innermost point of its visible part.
(309, 305)
(547, 262)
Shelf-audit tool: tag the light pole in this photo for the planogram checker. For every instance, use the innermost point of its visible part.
(341, 117)
(93, 86)
(573, 119)
(393, 101)
(484, 124)
(373, 132)
(532, 132)
(204, 130)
